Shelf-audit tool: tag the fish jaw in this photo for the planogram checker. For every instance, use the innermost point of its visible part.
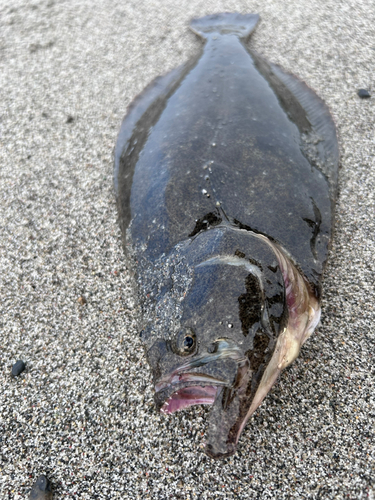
(228, 398)
(303, 316)
(227, 421)
(227, 415)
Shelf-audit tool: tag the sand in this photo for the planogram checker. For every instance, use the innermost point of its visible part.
(82, 412)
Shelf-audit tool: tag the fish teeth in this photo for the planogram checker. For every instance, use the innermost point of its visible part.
(164, 408)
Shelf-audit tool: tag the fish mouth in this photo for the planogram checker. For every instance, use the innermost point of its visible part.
(189, 396)
(195, 382)
(191, 384)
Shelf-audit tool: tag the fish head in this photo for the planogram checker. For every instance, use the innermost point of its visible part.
(231, 317)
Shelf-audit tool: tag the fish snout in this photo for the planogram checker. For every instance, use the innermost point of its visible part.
(218, 450)
(155, 355)
(224, 416)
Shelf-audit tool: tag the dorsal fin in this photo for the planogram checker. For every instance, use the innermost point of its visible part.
(156, 90)
(318, 115)
(310, 114)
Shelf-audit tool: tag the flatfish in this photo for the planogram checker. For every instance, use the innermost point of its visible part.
(225, 175)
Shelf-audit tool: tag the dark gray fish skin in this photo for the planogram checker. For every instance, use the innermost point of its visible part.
(225, 177)
(41, 490)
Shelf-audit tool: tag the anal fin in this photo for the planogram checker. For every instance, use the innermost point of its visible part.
(148, 101)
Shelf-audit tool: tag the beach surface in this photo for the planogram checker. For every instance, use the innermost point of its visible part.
(82, 412)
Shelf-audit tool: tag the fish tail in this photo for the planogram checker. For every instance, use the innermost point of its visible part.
(225, 23)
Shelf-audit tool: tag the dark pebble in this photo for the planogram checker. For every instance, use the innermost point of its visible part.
(18, 368)
(41, 489)
(363, 93)
(70, 119)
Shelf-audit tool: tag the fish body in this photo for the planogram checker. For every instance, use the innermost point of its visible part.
(225, 176)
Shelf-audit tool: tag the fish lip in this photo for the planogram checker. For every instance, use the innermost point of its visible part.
(187, 379)
(189, 394)
(200, 382)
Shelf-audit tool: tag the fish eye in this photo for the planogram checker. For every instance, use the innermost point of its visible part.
(188, 342)
(185, 342)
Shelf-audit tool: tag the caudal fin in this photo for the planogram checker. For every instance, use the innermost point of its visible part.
(225, 23)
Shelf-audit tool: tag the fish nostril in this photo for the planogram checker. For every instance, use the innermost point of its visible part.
(212, 348)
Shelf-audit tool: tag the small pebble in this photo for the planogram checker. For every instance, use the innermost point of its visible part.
(82, 300)
(18, 368)
(363, 93)
(41, 489)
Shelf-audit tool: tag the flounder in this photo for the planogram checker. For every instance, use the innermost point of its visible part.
(225, 175)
